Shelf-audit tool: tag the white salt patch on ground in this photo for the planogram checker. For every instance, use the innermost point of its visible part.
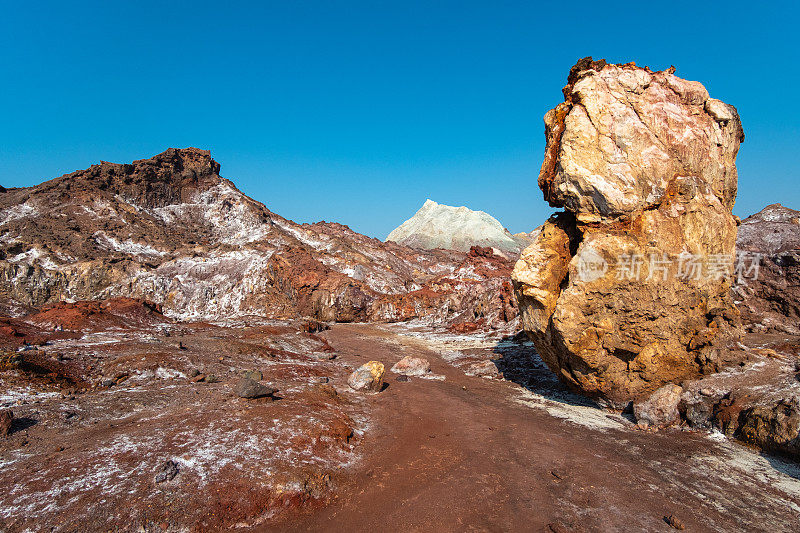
(168, 373)
(583, 415)
(10, 397)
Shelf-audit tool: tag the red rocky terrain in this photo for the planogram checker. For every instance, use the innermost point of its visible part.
(137, 422)
(173, 357)
(171, 230)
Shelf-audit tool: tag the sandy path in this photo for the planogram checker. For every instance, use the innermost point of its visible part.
(466, 455)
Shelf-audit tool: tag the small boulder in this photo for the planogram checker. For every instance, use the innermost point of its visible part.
(661, 408)
(249, 388)
(6, 420)
(411, 366)
(483, 369)
(367, 377)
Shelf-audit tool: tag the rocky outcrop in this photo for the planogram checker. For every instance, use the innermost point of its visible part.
(629, 288)
(456, 228)
(170, 230)
(757, 401)
(769, 298)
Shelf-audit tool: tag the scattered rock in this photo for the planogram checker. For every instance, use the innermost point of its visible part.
(411, 366)
(402, 378)
(323, 356)
(674, 522)
(367, 377)
(6, 420)
(661, 408)
(464, 328)
(313, 326)
(167, 472)
(484, 369)
(339, 430)
(197, 378)
(607, 292)
(255, 375)
(726, 413)
(697, 408)
(326, 390)
(249, 388)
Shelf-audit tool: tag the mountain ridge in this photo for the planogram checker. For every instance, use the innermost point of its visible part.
(172, 230)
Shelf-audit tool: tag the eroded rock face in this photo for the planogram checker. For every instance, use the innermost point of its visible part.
(629, 288)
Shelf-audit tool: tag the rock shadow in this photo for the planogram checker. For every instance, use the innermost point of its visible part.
(783, 464)
(22, 423)
(520, 363)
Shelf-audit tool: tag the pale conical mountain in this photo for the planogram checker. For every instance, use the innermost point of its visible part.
(455, 228)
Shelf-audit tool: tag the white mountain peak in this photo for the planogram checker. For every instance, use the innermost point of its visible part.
(455, 228)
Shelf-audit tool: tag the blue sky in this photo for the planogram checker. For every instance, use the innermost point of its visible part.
(356, 112)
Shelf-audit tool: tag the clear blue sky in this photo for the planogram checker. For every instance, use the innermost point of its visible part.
(356, 112)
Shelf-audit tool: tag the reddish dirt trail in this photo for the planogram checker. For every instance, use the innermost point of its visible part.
(462, 455)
